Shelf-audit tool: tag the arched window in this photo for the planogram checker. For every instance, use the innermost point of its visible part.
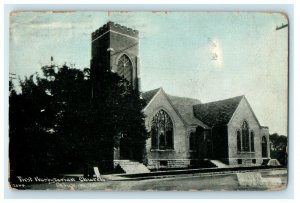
(238, 141)
(192, 141)
(252, 141)
(264, 147)
(162, 131)
(245, 137)
(124, 68)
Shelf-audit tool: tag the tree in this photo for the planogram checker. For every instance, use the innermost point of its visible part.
(69, 89)
(279, 148)
(133, 126)
(69, 117)
(115, 97)
(28, 129)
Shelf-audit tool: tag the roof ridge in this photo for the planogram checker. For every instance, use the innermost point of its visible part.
(184, 97)
(222, 100)
(183, 106)
(157, 89)
(219, 112)
(151, 90)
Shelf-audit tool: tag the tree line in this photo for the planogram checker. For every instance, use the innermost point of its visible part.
(279, 149)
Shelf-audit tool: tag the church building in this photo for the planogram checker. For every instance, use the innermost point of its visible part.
(184, 131)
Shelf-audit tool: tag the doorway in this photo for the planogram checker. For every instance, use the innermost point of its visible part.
(125, 152)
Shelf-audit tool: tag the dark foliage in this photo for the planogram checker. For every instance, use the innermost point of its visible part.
(66, 119)
(279, 148)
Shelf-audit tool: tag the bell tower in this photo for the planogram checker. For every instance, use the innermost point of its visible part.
(116, 47)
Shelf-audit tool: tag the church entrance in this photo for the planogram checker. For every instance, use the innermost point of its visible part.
(125, 152)
(204, 143)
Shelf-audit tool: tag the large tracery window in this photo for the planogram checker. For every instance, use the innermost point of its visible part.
(124, 69)
(245, 139)
(162, 131)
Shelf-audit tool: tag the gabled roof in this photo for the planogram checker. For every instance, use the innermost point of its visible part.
(147, 96)
(182, 105)
(217, 113)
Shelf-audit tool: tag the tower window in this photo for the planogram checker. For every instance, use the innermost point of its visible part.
(124, 68)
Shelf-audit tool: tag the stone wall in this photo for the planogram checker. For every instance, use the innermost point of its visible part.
(168, 163)
(244, 112)
(180, 152)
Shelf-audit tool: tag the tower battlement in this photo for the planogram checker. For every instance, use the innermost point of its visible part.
(115, 27)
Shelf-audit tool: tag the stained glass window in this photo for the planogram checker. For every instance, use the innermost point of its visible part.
(252, 141)
(238, 140)
(162, 131)
(245, 137)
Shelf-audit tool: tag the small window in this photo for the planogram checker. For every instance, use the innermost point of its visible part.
(239, 161)
(264, 147)
(163, 163)
(254, 161)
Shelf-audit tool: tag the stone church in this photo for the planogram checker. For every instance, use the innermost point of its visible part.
(184, 131)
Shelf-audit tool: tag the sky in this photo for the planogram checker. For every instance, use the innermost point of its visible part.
(204, 55)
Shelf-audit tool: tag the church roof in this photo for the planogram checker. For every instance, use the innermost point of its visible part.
(193, 112)
(183, 105)
(147, 96)
(217, 113)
